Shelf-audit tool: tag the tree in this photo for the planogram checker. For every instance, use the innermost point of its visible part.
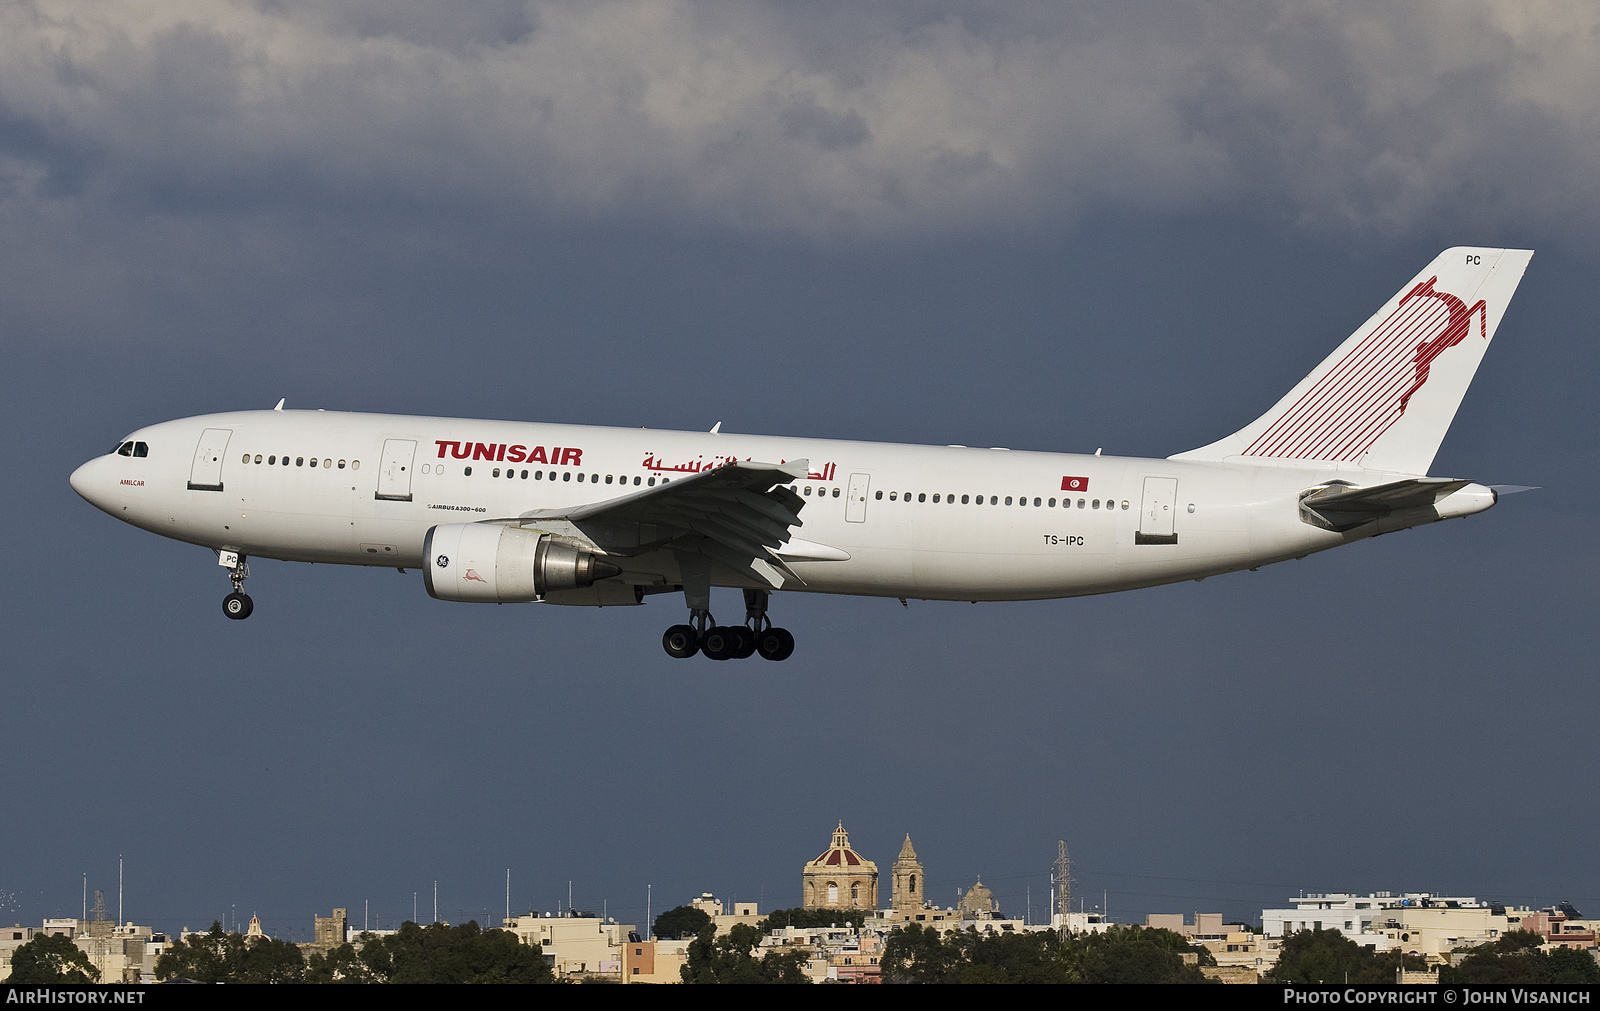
(52, 958)
(439, 953)
(205, 958)
(919, 954)
(341, 965)
(269, 960)
(1138, 955)
(729, 959)
(801, 917)
(1514, 957)
(219, 956)
(1327, 956)
(681, 921)
(1030, 957)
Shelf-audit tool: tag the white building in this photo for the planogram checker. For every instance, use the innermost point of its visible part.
(1418, 923)
(575, 946)
(1080, 923)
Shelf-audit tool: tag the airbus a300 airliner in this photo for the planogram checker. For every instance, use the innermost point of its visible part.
(501, 512)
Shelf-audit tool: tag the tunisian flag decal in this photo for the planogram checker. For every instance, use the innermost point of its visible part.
(1074, 484)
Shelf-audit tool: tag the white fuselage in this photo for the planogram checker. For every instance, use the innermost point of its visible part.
(884, 520)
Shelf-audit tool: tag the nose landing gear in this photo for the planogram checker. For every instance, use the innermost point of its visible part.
(236, 605)
(730, 642)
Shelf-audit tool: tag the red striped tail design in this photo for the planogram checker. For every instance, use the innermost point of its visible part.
(1386, 396)
(1357, 401)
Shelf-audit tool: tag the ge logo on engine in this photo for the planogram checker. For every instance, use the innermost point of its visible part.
(443, 561)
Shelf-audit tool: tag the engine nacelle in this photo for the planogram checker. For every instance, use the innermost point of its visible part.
(490, 563)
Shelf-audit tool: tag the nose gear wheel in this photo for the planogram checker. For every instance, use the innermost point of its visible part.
(238, 605)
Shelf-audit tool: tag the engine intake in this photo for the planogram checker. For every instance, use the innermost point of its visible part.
(490, 563)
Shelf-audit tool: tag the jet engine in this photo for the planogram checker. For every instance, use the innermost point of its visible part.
(490, 563)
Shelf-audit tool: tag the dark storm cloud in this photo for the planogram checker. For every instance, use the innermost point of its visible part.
(906, 120)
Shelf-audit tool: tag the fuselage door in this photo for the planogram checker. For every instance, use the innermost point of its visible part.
(855, 508)
(394, 475)
(205, 474)
(1157, 513)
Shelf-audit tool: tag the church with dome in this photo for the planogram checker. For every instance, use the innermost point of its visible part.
(840, 878)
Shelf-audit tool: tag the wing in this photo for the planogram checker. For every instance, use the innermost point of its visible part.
(739, 515)
(1341, 507)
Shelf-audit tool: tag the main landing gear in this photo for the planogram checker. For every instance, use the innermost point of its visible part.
(236, 605)
(728, 642)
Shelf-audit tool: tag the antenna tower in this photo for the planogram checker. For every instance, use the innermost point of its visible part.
(1063, 880)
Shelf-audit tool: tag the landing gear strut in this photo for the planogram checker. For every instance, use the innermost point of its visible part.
(730, 642)
(771, 642)
(236, 605)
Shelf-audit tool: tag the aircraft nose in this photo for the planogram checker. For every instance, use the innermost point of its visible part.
(83, 482)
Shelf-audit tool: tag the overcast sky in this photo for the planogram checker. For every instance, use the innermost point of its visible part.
(1129, 226)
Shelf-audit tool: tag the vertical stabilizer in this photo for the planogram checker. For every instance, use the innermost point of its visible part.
(1385, 398)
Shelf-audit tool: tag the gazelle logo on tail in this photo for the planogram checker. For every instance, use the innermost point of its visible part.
(1355, 402)
(1366, 403)
(1455, 329)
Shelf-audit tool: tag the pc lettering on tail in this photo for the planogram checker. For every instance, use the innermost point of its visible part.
(603, 517)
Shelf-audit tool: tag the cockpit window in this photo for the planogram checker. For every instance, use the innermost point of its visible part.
(126, 449)
(141, 449)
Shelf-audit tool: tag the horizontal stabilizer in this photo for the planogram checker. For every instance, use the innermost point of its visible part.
(1341, 507)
